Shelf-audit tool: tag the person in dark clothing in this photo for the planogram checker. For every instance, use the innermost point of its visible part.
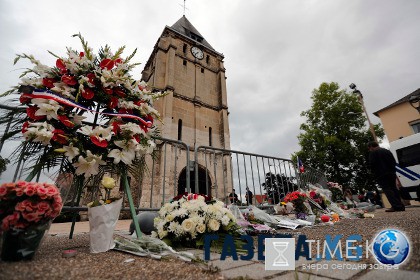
(248, 196)
(233, 197)
(382, 164)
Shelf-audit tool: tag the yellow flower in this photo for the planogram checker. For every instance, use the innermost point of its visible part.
(108, 182)
(108, 201)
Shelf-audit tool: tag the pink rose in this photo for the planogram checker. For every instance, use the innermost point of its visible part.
(43, 206)
(42, 192)
(52, 191)
(5, 225)
(30, 190)
(57, 207)
(3, 190)
(30, 217)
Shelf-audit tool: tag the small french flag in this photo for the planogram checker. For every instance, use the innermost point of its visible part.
(300, 166)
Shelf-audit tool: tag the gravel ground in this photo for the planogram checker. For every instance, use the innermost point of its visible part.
(48, 263)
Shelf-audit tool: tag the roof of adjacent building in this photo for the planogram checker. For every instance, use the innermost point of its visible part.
(183, 26)
(399, 101)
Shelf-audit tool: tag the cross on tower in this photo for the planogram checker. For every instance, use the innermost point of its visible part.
(184, 7)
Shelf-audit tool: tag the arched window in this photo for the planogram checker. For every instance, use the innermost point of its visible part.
(184, 48)
(179, 130)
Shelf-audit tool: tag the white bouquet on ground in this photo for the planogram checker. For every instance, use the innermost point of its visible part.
(103, 216)
(184, 222)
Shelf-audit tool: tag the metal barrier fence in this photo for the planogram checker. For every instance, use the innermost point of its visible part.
(213, 171)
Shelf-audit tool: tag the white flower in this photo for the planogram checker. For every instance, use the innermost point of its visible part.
(47, 108)
(64, 90)
(132, 128)
(201, 228)
(39, 132)
(225, 220)
(213, 225)
(99, 132)
(169, 218)
(71, 151)
(77, 119)
(188, 225)
(89, 165)
(123, 155)
(162, 233)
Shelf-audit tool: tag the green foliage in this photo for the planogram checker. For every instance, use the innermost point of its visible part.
(3, 164)
(334, 137)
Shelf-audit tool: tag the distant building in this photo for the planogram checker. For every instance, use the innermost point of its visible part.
(400, 119)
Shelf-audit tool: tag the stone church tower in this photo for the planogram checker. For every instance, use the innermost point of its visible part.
(196, 111)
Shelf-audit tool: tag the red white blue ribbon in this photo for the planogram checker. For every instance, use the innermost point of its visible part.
(67, 102)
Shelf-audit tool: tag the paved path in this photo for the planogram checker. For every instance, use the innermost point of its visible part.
(255, 269)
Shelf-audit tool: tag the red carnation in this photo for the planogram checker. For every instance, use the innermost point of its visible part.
(48, 82)
(100, 143)
(69, 80)
(66, 121)
(107, 63)
(87, 93)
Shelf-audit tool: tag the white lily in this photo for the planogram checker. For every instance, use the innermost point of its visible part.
(89, 165)
(132, 128)
(47, 108)
(123, 155)
(71, 152)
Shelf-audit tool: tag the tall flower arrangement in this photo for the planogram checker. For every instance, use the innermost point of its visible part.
(60, 99)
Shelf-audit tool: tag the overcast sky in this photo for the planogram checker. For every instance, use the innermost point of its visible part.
(276, 51)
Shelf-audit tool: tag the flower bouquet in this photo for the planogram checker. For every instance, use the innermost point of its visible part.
(26, 212)
(103, 216)
(298, 200)
(186, 221)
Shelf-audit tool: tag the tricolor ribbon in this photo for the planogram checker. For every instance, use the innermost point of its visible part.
(48, 95)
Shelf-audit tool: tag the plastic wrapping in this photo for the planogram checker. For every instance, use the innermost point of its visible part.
(102, 221)
(148, 246)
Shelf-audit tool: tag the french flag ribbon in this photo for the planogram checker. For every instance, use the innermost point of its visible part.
(49, 95)
(300, 166)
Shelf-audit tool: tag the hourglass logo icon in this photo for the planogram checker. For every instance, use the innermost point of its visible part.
(279, 254)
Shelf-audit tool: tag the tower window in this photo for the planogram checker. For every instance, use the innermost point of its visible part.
(184, 48)
(179, 130)
(184, 63)
(210, 142)
(202, 70)
(207, 59)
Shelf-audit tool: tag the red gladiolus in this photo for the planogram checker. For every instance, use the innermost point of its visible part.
(69, 80)
(113, 103)
(66, 121)
(87, 93)
(31, 110)
(82, 54)
(100, 143)
(48, 82)
(108, 90)
(107, 63)
(118, 61)
(59, 136)
(61, 66)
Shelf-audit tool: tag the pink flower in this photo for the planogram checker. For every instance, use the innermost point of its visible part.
(43, 206)
(30, 217)
(30, 190)
(3, 191)
(51, 191)
(42, 192)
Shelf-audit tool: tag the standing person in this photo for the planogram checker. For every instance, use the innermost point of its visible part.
(382, 164)
(248, 196)
(233, 197)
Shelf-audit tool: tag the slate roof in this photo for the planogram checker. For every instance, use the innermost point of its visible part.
(183, 26)
(402, 100)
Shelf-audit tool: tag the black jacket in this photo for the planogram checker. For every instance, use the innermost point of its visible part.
(382, 162)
